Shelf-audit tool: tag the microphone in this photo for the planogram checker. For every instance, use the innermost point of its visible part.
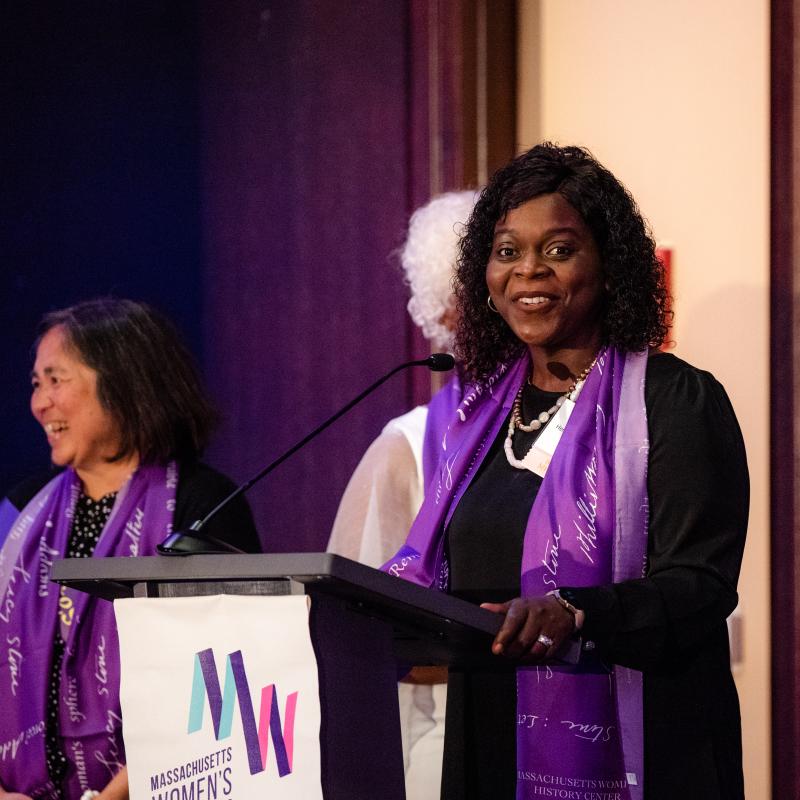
(437, 362)
(184, 543)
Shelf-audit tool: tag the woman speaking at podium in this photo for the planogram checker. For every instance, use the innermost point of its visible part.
(594, 492)
(126, 420)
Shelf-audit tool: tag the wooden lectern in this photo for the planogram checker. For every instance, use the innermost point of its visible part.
(365, 627)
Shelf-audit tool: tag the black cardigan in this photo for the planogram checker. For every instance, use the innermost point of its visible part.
(670, 624)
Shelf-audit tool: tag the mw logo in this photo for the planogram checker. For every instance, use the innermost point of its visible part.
(221, 702)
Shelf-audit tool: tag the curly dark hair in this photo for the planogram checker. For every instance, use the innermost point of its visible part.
(146, 378)
(636, 309)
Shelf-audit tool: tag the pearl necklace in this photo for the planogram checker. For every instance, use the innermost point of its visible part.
(516, 423)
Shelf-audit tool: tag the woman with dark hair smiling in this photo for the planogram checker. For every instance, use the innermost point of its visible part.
(594, 492)
(126, 419)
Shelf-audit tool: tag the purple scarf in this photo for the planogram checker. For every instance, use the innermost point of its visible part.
(578, 729)
(440, 411)
(30, 609)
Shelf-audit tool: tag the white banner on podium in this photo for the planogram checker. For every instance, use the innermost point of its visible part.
(220, 698)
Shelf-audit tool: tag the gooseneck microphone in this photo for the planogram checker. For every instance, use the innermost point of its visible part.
(186, 542)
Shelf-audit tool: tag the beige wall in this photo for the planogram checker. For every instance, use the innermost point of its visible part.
(673, 98)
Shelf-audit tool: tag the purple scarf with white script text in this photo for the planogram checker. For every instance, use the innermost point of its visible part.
(577, 727)
(440, 410)
(31, 609)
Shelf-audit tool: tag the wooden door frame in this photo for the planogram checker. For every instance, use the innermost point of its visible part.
(462, 108)
(785, 396)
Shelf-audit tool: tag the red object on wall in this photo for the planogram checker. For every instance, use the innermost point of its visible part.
(664, 253)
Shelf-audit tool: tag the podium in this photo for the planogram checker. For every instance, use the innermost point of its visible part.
(365, 627)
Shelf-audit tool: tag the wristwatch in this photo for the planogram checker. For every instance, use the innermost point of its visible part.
(577, 614)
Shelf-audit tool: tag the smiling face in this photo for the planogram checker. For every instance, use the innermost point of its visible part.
(81, 433)
(545, 278)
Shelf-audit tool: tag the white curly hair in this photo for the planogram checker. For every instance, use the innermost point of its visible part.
(429, 261)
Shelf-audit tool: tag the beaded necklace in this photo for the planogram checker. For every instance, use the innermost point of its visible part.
(516, 423)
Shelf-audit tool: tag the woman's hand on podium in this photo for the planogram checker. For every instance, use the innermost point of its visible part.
(533, 629)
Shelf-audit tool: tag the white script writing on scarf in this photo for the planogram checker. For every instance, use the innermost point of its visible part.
(133, 530)
(100, 670)
(587, 510)
(46, 556)
(8, 601)
(75, 714)
(111, 762)
(14, 661)
(550, 559)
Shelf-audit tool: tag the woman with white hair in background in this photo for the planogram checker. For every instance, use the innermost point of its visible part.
(386, 490)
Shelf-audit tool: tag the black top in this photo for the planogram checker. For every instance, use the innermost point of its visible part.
(488, 525)
(200, 488)
(670, 624)
(88, 521)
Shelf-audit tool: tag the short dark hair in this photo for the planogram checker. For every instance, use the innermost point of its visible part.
(146, 377)
(636, 311)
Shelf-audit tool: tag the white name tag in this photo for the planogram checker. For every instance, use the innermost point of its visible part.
(539, 456)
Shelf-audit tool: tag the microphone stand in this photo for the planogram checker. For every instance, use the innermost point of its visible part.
(171, 546)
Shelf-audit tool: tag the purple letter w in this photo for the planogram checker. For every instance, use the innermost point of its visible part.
(206, 681)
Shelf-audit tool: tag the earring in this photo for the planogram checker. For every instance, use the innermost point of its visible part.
(491, 305)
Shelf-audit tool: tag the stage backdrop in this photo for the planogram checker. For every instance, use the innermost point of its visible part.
(323, 126)
(304, 198)
(249, 167)
(99, 194)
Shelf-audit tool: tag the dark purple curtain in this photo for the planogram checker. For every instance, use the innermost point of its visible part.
(305, 197)
(248, 167)
(99, 190)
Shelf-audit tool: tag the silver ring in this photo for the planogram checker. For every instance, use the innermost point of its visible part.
(545, 640)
